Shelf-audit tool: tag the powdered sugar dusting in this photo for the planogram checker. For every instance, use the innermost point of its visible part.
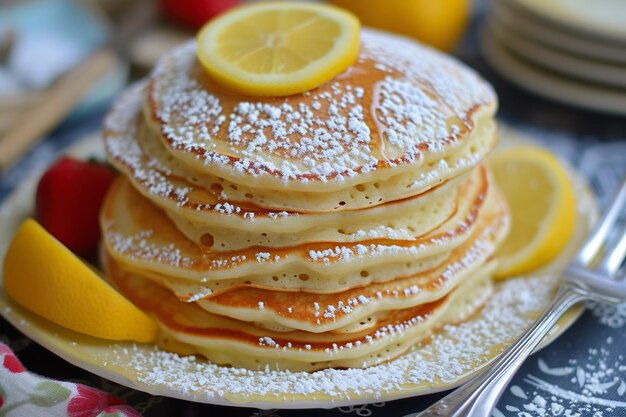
(450, 354)
(356, 302)
(422, 102)
(137, 247)
(120, 127)
(348, 253)
(589, 386)
(123, 148)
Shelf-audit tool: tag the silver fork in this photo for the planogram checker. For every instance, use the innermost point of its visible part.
(584, 279)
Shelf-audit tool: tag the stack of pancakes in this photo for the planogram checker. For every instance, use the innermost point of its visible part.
(333, 228)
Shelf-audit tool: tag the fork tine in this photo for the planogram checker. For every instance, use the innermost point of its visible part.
(613, 257)
(594, 242)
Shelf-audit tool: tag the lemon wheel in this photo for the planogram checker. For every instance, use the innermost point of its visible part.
(278, 48)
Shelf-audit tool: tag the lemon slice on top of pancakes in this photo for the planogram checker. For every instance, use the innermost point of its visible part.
(278, 48)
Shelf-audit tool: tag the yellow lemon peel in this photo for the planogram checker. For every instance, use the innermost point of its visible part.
(43, 276)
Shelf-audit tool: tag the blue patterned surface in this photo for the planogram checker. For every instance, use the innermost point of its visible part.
(582, 374)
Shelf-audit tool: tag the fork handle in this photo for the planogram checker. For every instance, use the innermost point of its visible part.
(478, 397)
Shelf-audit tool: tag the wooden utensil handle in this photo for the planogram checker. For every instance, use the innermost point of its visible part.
(61, 98)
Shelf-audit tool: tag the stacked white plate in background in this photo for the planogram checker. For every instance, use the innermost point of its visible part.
(573, 51)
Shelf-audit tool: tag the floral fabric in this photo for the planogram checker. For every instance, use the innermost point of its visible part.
(25, 394)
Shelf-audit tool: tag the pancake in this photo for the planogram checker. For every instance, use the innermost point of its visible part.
(399, 106)
(358, 308)
(198, 196)
(141, 236)
(188, 290)
(187, 329)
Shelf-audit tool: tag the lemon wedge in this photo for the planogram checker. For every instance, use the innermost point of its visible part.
(278, 48)
(43, 276)
(542, 206)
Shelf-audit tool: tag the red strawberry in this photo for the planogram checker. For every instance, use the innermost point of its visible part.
(69, 196)
(195, 13)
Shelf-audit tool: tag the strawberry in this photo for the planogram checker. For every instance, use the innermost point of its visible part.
(68, 200)
(195, 13)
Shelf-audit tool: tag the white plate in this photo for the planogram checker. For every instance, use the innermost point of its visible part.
(542, 33)
(454, 354)
(559, 62)
(600, 18)
(548, 84)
